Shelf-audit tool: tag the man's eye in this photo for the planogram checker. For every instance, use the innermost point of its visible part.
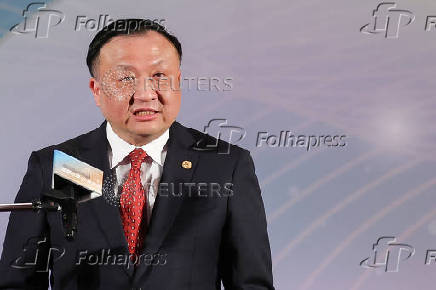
(127, 79)
(159, 75)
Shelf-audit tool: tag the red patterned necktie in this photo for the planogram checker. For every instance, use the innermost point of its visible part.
(132, 202)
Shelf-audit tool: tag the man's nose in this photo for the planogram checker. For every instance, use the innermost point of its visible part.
(145, 89)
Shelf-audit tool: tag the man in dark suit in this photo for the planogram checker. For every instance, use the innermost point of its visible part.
(205, 226)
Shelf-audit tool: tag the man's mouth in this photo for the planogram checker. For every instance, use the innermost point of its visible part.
(144, 113)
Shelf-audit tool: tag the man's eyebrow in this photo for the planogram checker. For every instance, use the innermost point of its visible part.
(157, 62)
(128, 66)
(125, 66)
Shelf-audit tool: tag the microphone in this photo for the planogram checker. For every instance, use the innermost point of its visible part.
(73, 182)
(70, 171)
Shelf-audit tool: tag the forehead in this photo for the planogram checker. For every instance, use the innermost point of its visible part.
(149, 48)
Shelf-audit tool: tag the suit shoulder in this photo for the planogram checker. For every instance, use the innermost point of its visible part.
(68, 146)
(212, 145)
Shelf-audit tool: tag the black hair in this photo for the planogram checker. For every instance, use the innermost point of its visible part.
(129, 26)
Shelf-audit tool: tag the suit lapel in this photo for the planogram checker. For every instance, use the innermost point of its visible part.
(94, 151)
(167, 204)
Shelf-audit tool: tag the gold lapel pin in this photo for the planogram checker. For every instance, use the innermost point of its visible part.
(187, 164)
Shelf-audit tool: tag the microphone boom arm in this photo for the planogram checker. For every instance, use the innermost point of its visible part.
(64, 200)
(36, 205)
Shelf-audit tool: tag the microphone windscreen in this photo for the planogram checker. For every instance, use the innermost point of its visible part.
(68, 169)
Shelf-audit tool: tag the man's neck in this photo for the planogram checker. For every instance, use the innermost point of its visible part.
(137, 140)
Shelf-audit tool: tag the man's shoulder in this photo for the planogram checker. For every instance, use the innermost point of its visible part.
(198, 141)
(210, 145)
(70, 146)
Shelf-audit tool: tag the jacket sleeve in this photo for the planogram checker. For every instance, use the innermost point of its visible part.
(24, 262)
(245, 251)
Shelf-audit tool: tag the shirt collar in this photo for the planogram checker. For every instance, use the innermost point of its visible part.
(120, 148)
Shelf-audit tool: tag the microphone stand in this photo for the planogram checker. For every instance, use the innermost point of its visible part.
(54, 200)
(36, 205)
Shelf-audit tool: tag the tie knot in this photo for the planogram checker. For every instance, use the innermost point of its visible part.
(137, 156)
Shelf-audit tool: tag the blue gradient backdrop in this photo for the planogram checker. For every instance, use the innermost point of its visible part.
(301, 66)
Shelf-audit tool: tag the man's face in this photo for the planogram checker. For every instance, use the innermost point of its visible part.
(137, 85)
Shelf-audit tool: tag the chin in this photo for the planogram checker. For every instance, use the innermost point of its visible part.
(148, 130)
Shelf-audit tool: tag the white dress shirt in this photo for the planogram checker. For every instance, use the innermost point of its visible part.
(151, 168)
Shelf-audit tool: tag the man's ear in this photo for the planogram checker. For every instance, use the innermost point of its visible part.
(95, 89)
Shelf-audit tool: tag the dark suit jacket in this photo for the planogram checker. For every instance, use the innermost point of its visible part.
(196, 238)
